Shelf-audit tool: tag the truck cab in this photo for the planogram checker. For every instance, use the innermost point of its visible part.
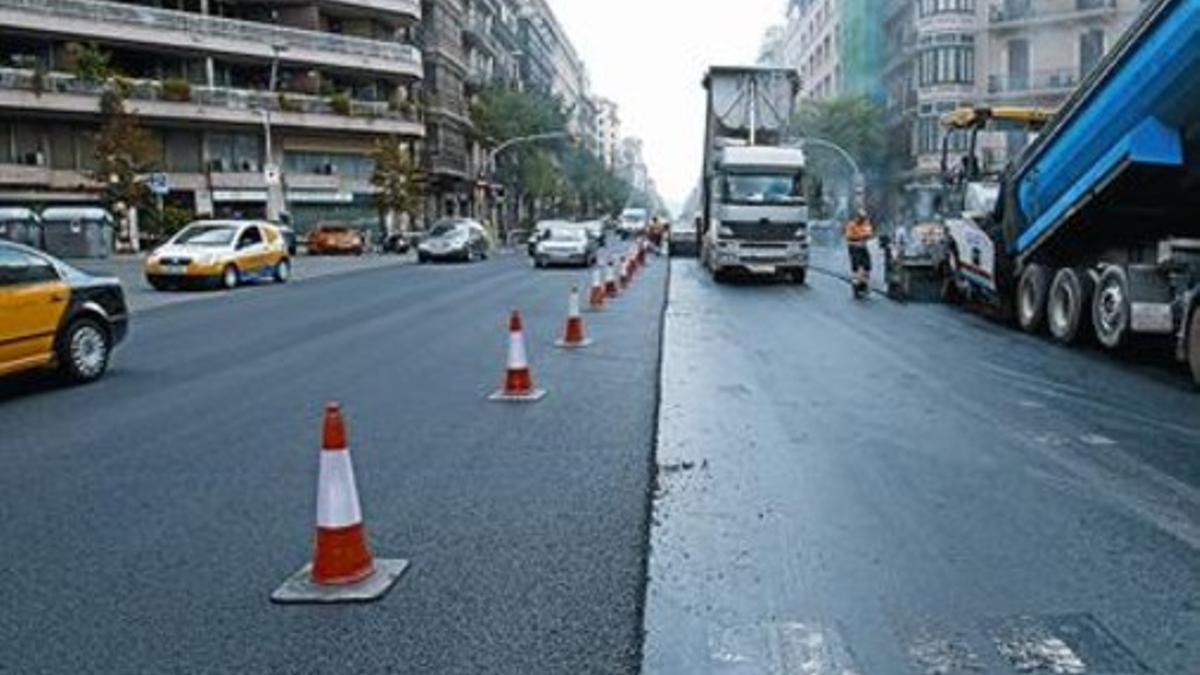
(758, 215)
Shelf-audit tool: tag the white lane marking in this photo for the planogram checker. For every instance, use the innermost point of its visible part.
(782, 648)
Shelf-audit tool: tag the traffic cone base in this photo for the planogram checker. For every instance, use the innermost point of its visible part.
(563, 344)
(301, 589)
(527, 397)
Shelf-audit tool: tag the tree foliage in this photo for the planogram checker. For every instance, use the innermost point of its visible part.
(562, 174)
(856, 123)
(395, 178)
(125, 152)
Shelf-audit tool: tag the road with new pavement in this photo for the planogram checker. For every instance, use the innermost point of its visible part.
(746, 478)
(147, 518)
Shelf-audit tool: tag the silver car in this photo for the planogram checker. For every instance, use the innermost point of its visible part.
(564, 244)
(458, 239)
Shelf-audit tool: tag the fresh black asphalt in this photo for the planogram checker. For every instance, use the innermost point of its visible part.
(146, 518)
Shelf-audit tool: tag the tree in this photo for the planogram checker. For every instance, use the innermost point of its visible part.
(396, 179)
(125, 153)
(856, 124)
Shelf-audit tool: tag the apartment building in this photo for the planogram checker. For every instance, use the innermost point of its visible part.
(258, 108)
(552, 64)
(608, 132)
(446, 159)
(942, 54)
(810, 42)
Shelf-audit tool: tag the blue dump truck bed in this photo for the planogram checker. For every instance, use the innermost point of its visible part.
(1116, 157)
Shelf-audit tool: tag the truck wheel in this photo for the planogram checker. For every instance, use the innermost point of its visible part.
(1068, 302)
(1032, 290)
(799, 276)
(1110, 307)
(1194, 345)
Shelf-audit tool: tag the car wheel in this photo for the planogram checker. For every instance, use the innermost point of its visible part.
(799, 276)
(283, 271)
(229, 277)
(157, 284)
(421, 259)
(1111, 307)
(1193, 351)
(84, 352)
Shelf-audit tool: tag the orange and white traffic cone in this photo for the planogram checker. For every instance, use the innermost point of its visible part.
(596, 295)
(610, 281)
(574, 336)
(518, 379)
(643, 248)
(342, 569)
(625, 274)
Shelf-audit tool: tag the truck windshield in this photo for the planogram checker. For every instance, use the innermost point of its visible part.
(764, 188)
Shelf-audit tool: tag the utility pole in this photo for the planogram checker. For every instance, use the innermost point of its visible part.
(272, 173)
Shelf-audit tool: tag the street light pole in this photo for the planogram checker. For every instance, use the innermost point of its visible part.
(275, 208)
(859, 181)
(512, 142)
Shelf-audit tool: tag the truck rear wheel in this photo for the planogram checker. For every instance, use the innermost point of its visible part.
(1032, 290)
(1068, 303)
(1193, 350)
(1110, 307)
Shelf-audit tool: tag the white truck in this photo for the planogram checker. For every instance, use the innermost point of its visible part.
(753, 214)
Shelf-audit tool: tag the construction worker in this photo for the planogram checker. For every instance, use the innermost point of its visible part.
(858, 232)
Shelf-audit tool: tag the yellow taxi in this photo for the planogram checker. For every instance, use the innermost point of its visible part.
(221, 254)
(55, 316)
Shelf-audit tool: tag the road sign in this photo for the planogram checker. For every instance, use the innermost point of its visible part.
(158, 183)
(271, 174)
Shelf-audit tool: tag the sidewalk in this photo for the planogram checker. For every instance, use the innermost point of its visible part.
(141, 297)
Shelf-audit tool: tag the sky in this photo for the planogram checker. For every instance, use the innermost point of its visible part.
(650, 56)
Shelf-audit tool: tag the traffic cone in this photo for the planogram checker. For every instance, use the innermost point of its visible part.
(342, 569)
(643, 248)
(596, 295)
(610, 281)
(518, 380)
(573, 335)
(624, 280)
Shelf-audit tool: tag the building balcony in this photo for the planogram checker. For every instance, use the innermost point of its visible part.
(1016, 14)
(1038, 83)
(102, 21)
(407, 11)
(62, 93)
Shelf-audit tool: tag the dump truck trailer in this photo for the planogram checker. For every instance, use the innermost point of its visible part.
(1095, 230)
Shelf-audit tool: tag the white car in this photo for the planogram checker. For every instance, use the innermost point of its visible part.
(564, 244)
(633, 222)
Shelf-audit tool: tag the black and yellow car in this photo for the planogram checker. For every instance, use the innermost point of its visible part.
(55, 316)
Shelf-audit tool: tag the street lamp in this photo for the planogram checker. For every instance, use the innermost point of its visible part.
(859, 181)
(271, 173)
(490, 164)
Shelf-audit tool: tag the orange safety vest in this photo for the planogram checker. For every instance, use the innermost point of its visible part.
(859, 230)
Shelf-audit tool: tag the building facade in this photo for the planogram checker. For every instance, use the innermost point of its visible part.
(256, 109)
(942, 54)
(608, 132)
(810, 42)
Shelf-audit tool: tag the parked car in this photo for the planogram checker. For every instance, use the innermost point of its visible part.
(56, 316)
(455, 239)
(220, 253)
(633, 222)
(336, 239)
(565, 244)
(398, 242)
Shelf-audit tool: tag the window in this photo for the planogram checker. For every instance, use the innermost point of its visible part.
(1091, 50)
(251, 237)
(935, 7)
(17, 267)
(948, 64)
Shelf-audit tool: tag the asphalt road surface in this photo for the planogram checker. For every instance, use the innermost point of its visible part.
(147, 518)
(872, 488)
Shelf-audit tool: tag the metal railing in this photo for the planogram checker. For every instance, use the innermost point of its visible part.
(1027, 10)
(199, 25)
(1060, 79)
(220, 97)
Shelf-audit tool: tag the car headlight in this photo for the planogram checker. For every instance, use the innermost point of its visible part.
(725, 231)
(800, 232)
